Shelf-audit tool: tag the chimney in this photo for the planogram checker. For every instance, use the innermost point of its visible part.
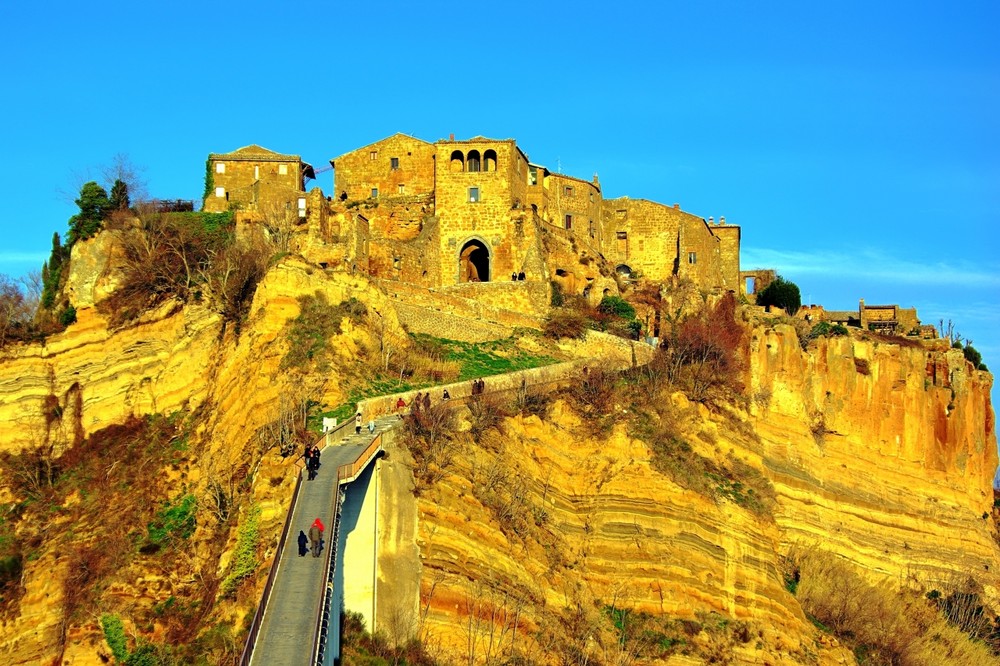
(677, 206)
(711, 220)
(722, 219)
(451, 137)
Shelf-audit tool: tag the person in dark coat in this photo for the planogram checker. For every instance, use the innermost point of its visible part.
(357, 423)
(303, 544)
(427, 401)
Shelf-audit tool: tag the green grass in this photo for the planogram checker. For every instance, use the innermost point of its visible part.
(482, 359)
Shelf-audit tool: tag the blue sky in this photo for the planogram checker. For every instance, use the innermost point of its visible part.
(856, 143)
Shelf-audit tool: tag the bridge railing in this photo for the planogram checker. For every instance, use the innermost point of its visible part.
(350, 470)
(258, 617)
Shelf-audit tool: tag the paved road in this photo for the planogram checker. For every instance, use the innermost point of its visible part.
(289, 626)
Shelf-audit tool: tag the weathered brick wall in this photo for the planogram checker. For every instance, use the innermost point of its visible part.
(729, 249)
(411, 261)
(652, 234)
(358, 172)
(269, 188)
(699, 256)
(580, 199)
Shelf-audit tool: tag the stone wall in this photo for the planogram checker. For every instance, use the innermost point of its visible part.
(398, 165)
(252, 178)
(651, 235)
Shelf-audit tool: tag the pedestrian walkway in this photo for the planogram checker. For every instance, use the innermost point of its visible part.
(291, 618)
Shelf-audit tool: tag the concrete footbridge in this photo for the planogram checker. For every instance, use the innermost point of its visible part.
(298, 618)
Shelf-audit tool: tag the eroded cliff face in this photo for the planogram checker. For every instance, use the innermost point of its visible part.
(176, 359)
(880, 452)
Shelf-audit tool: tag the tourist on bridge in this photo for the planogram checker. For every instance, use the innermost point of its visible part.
(315, 539)
(357, 423)
(371, 426)
(400, 406)
(427, 401)
(303, 544)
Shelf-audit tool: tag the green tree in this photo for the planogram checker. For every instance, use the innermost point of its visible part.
(52, 271)
(781, 293)
(119, 195)
(94, 206)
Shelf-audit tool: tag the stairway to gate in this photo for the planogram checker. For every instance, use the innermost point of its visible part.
(293, 621)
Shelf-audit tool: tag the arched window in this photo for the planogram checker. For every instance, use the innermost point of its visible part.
(473, 161)
(474, 262)
(457, 162)
(490, 160)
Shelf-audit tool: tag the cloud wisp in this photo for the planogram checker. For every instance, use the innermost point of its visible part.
(874, 266)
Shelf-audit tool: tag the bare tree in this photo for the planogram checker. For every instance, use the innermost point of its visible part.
(123, 169)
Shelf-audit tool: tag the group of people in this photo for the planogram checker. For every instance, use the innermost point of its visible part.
(312, 460)
(478, 386)
(314, 541)
(515, 277)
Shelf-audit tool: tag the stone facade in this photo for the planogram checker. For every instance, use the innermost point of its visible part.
(396, 166)
(256, 179)
(471, 211)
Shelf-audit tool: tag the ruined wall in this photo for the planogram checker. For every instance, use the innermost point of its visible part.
(399, 165)
(729, 255)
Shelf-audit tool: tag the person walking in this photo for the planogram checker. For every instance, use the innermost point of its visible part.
(427, 401)
(357, 423)
(371, 426)
(400, 407)
(315, 539)
(445, 396)
(303, 544)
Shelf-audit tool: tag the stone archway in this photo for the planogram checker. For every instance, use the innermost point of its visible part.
(474, 262)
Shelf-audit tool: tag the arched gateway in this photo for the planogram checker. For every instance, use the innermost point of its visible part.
(474, 262)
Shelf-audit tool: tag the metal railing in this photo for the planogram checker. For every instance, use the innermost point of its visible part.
(258, 617)
(326, 599)
(350, 470)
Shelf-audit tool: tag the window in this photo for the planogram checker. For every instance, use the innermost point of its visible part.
(532, 175)
(220, 167)
(473, 162)
(593, 231)
(256, 172)
(591, 197)
(569, 221)
(393, 163)
(372, 155)
(568, 190)
(282, 169)
(220, 191)
(473, 195)
(374, 193)
(692, 257)
(402, 188)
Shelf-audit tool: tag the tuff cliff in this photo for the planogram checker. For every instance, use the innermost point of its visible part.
(884, 453)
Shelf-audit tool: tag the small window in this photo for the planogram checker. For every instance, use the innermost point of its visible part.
(532, 175)
(692, 257)
(374, 193)
(282, 169)
(220, 191)
(473, 195)
(256, 172)
(372, 155)
(568, 190)
(591, 197)
(402, 188)
(621, 235)
(393, 163)
(220, 167)
(569, 221)
(593, 231)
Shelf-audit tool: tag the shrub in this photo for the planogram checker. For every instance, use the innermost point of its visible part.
(973, 356)
(114, 635)
(68, 316)
(245, 559)
(703, 351)
(617, 306)
(94, 207)
(317, 322)
(824, 328)
(174, 521)
(781, 293)
(564, 323)
(557, 294)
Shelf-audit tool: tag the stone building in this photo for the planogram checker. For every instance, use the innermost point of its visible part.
(477, 210)
(253, 178)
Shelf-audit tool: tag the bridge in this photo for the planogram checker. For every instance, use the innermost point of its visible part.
(297, 620)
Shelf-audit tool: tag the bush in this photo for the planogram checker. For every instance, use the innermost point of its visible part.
(245, 559)
(617, 306)
(824, 328)
(781, 293)
(973, 356)
(114, 635)
(563, 323)
(68, 316)
(174, 521)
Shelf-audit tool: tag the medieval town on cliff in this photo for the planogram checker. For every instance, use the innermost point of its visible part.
(478, 219)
